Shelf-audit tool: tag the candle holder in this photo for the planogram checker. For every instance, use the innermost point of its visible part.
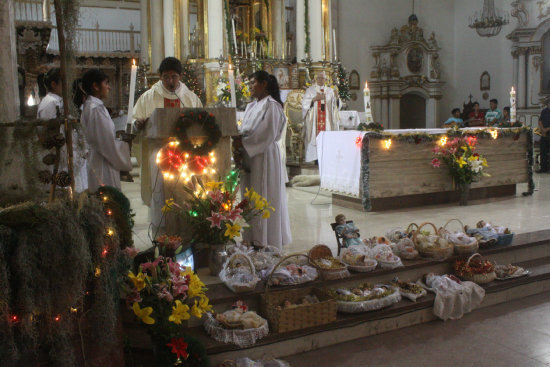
(128, 137)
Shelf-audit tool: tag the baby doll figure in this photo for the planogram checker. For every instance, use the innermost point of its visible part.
(348, 231)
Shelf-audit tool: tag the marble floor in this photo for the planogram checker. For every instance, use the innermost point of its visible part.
(513, 334)
(311, 214)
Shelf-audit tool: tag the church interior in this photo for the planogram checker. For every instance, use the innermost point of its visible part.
(247, 183)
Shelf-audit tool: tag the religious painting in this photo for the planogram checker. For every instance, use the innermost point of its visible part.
(415, 57)
(283, 77)
(354, 83)
(485, 81)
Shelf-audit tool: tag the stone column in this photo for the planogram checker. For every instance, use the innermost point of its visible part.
(216, 32)
(157, 40)
(168, 24)
(522, 78)
(144, 32)
(515, 69)
(9, 98)
(432, 113)
(394, 117)
(316, 29)
(279, 34)
(300, 34)
(184, 15)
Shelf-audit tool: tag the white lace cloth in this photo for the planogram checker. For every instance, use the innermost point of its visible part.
(243, 338)
(371, 305)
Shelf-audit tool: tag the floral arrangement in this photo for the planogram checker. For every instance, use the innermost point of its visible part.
(163, 294)
(223, 90)
(373, 126)
(213, 212)
(476, 266)
(465, 165)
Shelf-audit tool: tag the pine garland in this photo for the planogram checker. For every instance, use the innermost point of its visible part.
(190, 79)
(228, 27)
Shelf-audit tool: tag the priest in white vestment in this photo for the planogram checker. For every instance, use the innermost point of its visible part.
(320, 113)
(168, 92)
(108, 155)
(262, 127)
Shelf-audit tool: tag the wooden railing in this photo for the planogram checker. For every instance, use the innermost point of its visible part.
(101, 41)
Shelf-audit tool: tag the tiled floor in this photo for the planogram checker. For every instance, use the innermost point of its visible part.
(310, 222)
(515, 334)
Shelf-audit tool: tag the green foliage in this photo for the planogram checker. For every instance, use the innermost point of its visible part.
(189, 78)
(121, 212)
(343, 84)
(307, 47)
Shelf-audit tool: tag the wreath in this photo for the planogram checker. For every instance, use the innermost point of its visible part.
(205, 120)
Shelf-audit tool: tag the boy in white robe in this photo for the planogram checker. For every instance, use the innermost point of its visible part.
(168, 92)
(262, 127)
(108, 156)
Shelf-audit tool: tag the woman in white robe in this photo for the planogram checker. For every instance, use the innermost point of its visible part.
(263, 124)
(47, 110)
(108, 156)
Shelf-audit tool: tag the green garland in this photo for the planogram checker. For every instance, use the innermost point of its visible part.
(228, 28)
(307, 47)
(207, 121)
(343, 84)
(118, 205)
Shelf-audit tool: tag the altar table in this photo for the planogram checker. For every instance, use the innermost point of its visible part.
(361, 173)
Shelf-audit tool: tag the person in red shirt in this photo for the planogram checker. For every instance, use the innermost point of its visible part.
(476, 117)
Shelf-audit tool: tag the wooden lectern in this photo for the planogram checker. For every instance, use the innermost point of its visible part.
(157, 134)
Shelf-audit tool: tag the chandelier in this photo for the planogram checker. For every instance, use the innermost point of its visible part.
(490, 22)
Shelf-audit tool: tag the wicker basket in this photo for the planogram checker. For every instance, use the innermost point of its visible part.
(225, 277)
(321, 252)
(300, 317)
(459, 248)
(432, 252)
(479, 278)
(270, 276)
(410, 229)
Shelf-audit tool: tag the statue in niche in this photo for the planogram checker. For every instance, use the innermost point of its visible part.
(411, 32)
(435, 73)
(519, 12)
(394, 40)
(415, 57)
(432, 42)
(485, 81)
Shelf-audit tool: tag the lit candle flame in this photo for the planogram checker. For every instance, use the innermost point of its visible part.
(387, 143)
(443, 141)
(134, 62)
(366, 85)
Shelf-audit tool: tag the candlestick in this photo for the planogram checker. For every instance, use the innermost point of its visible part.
(512, 105)
(232, 86)
(334, 44)
(235, 51)
(366, 99)
(133, 74)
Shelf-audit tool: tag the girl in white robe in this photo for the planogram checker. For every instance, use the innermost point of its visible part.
(263, 124)
(47, 110)
(108, 156)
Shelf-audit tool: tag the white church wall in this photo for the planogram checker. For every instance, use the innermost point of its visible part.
(366, 23)
(119, 19)
(475, 54)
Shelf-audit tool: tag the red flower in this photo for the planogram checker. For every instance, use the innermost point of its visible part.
(179, 347)
(242, 204)
(436, 163)
(211, 115)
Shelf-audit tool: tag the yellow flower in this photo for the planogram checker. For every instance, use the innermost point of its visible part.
(203, 304)
(484, 162)
(232, 231)
(472, 158)
(213, 185)
(461, 162)
(143, 313)
(260, 204)
(179, 313)
(266, 214)
(168, 205)
(463, 148)
(138, 280)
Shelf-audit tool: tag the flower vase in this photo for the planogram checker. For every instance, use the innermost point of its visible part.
(217, 257)
(464, 192)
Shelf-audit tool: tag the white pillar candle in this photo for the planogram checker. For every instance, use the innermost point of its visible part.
(168, 18)
(334, 44)
(512, 105)
(133, 74)
(366, 99)
(232, 86)
(235, 51)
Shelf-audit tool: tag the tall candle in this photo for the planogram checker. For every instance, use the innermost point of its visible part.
(232, 86)
(234, 37)
(366, 98)
(133, 74)
(512, 105)
(334, 44)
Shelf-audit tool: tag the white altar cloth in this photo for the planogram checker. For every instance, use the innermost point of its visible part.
(339, 155)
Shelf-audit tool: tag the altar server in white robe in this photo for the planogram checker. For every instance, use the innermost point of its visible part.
(47, 109)
(320, 113)
(262, 127)
(108, 156)
(168, 92)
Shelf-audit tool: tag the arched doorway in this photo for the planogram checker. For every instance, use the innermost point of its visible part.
(412, 111)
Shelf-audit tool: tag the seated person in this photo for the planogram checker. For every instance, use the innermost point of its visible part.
(454, 119)
(493, 115)
(348, 231)
(505, 115)
(476, 117)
